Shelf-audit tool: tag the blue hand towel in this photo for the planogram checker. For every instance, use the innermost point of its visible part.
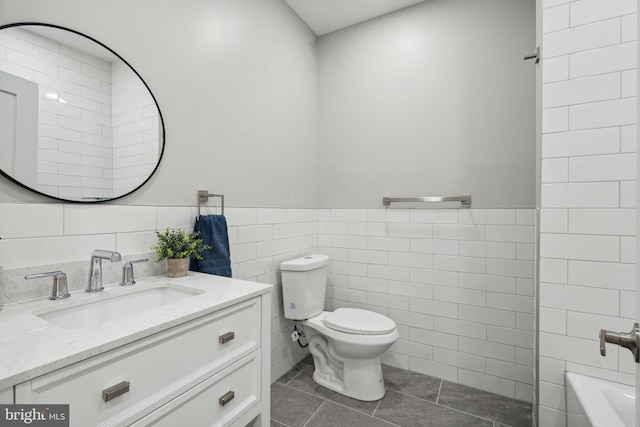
(213, 232)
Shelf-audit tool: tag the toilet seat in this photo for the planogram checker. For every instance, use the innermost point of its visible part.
(357, 321)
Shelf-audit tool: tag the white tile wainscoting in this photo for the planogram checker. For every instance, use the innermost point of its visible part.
(458, 282)
(587, 216)
(45, 237)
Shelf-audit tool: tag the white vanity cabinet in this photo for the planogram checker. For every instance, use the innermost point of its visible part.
(209, 371)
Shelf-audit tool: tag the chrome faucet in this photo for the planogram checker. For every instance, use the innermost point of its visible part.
(95, 269)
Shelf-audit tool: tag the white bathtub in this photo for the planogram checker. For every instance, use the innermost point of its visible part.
(592, 402)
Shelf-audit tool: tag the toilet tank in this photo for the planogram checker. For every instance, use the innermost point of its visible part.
(304, 284)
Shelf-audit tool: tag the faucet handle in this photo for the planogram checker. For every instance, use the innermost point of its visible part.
(127, 272)
(59, 289)
(629, 340)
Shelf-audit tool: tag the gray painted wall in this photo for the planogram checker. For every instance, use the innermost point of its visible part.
(432, 100)
(236, 83)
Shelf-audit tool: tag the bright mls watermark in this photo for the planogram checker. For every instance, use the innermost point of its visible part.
(34, 415)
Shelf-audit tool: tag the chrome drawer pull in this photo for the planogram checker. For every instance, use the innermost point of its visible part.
(228, 397)
(115, 391)
(226, 337)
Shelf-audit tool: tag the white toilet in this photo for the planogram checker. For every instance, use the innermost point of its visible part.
(345, 344)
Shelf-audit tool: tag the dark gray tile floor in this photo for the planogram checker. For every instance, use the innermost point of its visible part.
(412, 400)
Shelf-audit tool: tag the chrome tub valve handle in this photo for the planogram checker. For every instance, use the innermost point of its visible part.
(629, 340)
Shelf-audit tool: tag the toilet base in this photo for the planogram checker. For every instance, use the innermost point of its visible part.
(348, 364)
(359, 379)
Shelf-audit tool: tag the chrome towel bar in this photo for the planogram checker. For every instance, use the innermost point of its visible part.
(203, 197)
(465, 199)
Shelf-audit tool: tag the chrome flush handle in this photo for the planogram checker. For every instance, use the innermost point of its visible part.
(629, 340)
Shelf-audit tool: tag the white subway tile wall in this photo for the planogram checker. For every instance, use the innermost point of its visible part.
(38, 237)
(587, 218)
(462, 301)
(457, 282)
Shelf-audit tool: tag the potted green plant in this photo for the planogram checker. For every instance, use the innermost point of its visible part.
(177, 247)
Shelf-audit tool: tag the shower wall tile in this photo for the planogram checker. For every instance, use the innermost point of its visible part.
(611, 167)
(546, 4)
(617, 57)
(587, 231)
(581, 143)
(578, 39)
(590, 89)
(629, 27)
(556, 18)
(628, 83)
(614, 222)
(618, 112)
(590, 11)
(581, 195)
(555, 170)
(555, 69)
(628, 136)
(628, 249)
(555, 119)
(582, 325)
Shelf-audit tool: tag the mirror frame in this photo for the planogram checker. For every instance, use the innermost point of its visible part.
(163, 133)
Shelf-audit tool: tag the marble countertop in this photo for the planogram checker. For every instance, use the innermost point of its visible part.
(31, 346)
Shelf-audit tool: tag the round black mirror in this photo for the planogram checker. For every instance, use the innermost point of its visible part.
(77, 122)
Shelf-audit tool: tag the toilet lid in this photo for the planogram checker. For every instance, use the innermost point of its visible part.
(356, 321)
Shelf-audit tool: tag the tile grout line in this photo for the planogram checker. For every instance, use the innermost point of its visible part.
(325, 399)
(443, 406)
(314, 412)
(344, 406)
(385, 421)
(279, 422)
(373, 414)
(294, 377)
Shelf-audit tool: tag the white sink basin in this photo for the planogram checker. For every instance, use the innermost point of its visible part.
(112, 308)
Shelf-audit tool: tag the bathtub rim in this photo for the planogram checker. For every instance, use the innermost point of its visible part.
(590, 390)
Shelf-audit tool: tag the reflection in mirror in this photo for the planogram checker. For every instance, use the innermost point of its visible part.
(76, 122)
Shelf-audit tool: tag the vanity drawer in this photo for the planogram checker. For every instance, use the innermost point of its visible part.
(157, 368)
(219, 400)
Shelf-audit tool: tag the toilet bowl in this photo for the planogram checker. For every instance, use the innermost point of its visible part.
(345, 344)
(348, 362)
